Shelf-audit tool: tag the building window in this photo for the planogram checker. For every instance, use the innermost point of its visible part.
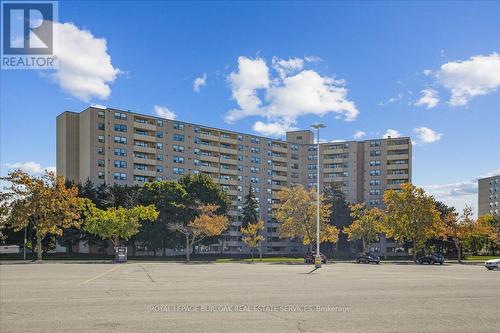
(255, 170)
(375, 172)
(179, 126)
(159, 134)
(178, 171)
(159, 168)
(159, 145)
(375, 143)
(100, 114)
(100, 175)
(120, 176)
(120, 139)
(100, 163)
(255, 160)
(120, 152)
(178, 149)
(374, 182)
(178, 159)
(120, 164)
(374, 192)
(100, 150)
(375, 163)
(120, 116)
(159, 122)
(254, 180)
(178, 137)
(255, 150)
(100, 138)
(254, 140)
(375, 153)
(159, 157)
(120, 128)
(100, 126)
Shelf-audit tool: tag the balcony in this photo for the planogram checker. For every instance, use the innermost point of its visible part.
(148, 161)
(397, 166)
(280, 178)
(279, 158)
(400, 176)
(229, 140)
(209, 158)
(229, 161)
(210, 169)
(232, 192)
(228, 181)
(209, 137)
(280, 149)
(229, 151)
(140, 137)
(145, 149)
(149, 173)
(229, 171)
(333, 160)
(143, 126)
(209, 148)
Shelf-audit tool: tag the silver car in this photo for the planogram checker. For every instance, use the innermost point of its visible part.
(492, 264)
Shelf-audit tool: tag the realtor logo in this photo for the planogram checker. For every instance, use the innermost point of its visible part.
(28, 35)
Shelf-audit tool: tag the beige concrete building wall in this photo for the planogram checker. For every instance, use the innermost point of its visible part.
(67, 145)
(127, 148)
(489, 195)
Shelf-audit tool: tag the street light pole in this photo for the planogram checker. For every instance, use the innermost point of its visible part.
(317, 259)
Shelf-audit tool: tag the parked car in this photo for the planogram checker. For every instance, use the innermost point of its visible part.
(367, 258)
(433, 258)
(492, 264)
(309, 258)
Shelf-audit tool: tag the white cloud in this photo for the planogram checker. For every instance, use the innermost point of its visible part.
(427, 72)
(427, 135)
(272, 129)
(287, 67)
(392, 99)
(479, 75)
(199, 82)
(85, 70)
(30, 167)
(98, 106)
(281, 99)
(391, 133)
(429, 98)
(164, 112)
(458, 194)
(359, 134)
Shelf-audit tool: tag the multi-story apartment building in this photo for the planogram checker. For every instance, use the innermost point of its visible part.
(114, 146)
(488, 195)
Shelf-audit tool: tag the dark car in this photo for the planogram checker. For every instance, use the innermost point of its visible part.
(309, 258)
(433, 258)
(367, 258)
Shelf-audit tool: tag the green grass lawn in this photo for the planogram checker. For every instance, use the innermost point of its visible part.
(481, 258)
(267, 259)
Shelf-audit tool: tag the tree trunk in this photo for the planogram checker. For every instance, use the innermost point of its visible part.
(414, 250)
(251, 251)
(459, 251)
(38, 247)
(164, 248)
(260, 251)
(188, 248)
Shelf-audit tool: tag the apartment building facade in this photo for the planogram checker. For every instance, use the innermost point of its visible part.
(121, 147)
(488, 195)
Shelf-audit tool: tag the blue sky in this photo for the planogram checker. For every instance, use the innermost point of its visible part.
(369, 63)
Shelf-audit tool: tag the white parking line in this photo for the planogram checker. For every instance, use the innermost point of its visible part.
(99, 275)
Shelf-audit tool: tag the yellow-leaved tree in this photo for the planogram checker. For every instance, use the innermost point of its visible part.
(367, 225)
(411, 216)
(296, 211)
(45, 202)
(251, 235)
(206, 223)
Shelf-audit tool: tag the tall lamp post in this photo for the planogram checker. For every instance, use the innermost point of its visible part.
(317, 259)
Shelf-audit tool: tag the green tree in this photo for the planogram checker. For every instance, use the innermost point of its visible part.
(367, 225)
(459, 228)
(202, 189)
(252, 237)
(297, 213)
(170, 199)
(250, 209)
(115, 224)
(411, 216)
(339, 211)
(45, 202)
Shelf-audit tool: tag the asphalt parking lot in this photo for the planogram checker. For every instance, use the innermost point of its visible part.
(230, 297)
